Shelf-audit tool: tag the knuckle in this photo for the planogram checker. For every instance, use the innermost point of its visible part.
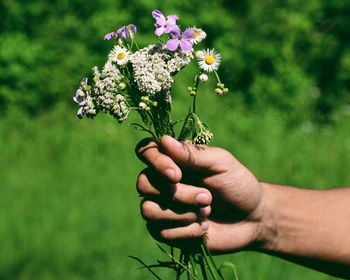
(178, 194)
(194, 231)
(143, 145)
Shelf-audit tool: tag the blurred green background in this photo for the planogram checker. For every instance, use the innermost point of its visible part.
(68, 205)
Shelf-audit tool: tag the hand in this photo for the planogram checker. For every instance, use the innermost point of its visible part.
(190, 190)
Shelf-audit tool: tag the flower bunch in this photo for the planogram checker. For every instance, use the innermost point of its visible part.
(141, 79)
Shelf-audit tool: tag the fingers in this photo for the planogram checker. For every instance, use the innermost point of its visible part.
(148, 151)
(192, 156)
(150, 186)
(152, 211)
(164, 234)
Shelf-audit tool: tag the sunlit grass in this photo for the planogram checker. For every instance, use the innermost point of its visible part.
(68, 205)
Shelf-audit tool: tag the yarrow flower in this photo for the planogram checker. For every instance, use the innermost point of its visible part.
(119, 55)
(209, 60)
(153, 67)
(165, 24)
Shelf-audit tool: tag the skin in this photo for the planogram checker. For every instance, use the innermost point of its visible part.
(190, 190)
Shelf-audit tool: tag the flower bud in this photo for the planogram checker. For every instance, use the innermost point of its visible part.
(122, 85)
(218, 91)
(143, 105)
(145, 98)
(155, 103)
(225, 90)
(193, 93)
(199, 54)
(203, 78)
(189, 89)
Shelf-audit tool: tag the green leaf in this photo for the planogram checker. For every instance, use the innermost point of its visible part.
(231, 267)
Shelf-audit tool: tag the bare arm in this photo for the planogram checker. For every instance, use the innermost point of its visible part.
(310, 227)
(190, 190)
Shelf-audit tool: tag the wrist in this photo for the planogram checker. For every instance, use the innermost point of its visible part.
(267, 233)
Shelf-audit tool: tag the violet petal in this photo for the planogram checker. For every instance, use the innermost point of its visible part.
(133, 28)
(185, 45)
(172, 44)
(80, 113)
(172, 19)
(156, 14)
(109, 36)
(175, 31)
(188, 34)
(159, 31)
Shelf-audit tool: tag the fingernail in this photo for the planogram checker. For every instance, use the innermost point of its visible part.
(204, 225)
(170, 173)
(204, 211)
(202, 198)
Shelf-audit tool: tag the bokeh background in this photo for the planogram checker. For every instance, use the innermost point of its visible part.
(68, 205)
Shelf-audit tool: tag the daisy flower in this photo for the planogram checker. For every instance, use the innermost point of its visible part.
(198, 35)
(119, 55)
(209, 61)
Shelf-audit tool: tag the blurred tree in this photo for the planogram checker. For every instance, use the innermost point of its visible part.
(290, 55)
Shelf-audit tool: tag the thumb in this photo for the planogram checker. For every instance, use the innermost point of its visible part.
(189, 155)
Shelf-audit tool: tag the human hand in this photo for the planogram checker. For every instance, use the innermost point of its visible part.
(190, 190)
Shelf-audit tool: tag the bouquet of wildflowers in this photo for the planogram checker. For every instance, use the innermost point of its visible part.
(141, 79)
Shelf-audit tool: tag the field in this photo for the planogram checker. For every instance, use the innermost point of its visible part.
(68, 205)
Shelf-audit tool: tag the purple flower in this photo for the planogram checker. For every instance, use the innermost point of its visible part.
(165, 25)
(125, 32)
(183, 40)
(109, 36)
(80, 97)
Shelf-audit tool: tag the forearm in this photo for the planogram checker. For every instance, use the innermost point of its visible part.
(310, 227)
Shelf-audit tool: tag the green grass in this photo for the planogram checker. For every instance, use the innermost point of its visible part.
(68, 205)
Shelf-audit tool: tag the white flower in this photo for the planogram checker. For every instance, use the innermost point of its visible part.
(119, 55)
(199, 54)
(111, 71)
(203, 78)
(199, 35)
(153, 67)
(210, 60)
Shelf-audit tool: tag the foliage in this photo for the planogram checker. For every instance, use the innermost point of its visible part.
(291, 55)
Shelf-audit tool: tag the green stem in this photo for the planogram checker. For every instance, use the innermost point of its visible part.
(194, 107)
(202, 265)
(217, 77)
(193, 265)
(213, 270)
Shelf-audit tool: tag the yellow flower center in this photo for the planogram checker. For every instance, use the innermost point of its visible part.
(209, 59)
(121, 56)
(196, 33)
